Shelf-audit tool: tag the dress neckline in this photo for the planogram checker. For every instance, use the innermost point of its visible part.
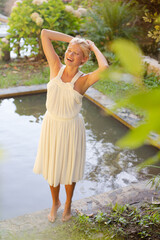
(74, 77)
(73, 80)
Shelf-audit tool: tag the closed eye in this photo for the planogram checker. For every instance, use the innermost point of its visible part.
(76, 53)
(73, 52)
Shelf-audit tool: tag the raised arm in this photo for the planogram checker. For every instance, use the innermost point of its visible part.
(53, 59)
(102, 65)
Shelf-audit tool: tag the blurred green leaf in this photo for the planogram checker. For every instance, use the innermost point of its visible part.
(150, 101)
(147, 99)
(134, 138)
(130, 57)
(150, 161)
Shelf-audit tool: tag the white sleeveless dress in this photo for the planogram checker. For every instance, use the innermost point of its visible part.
(62, 146)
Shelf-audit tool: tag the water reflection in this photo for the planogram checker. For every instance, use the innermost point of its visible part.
(31, 105)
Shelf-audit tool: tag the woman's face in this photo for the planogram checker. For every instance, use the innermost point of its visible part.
(74, 55)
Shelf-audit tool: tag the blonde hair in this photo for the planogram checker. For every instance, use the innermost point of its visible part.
(84, 45)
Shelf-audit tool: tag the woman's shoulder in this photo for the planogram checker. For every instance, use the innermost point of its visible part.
(83, 75)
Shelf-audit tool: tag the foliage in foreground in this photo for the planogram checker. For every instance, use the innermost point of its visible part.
(124, 222)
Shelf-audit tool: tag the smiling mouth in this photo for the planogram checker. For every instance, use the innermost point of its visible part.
(69, 59)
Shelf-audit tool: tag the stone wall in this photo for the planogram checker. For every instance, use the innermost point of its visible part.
(153, 65)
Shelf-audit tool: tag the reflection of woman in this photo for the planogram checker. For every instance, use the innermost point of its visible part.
(62, 147)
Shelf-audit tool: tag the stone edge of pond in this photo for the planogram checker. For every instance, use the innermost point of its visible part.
(125, 116)
(37, 222)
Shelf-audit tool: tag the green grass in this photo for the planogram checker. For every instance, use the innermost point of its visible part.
(9, 81)
(14, 74)
(116, 90)
(38, 78)
(122, 222)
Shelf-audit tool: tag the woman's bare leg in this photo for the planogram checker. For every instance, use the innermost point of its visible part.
(69, 194)
(56, 203)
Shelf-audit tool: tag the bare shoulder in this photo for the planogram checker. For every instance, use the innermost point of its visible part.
(83, 84)
(94, 76)
(84, 79)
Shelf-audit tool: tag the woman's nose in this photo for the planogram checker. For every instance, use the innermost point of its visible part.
(71, 53)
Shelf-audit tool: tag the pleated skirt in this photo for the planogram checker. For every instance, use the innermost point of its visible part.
(62, 150)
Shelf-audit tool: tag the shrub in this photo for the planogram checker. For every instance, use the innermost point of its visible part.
(110, 20)
(151, 80)
(4, 49)
(150, 41)
(84, 3)
(30, 16)
(150, 15)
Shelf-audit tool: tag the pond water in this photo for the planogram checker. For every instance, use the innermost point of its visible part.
(107, 166)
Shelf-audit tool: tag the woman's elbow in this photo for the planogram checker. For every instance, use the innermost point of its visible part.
(43, 32)
(104, 66)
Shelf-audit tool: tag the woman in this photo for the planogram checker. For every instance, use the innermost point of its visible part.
(62, 146)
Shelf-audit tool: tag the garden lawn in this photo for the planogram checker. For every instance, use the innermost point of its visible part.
(23, 73)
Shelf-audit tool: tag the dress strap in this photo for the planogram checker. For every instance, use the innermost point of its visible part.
(74, 79)
(61, 71)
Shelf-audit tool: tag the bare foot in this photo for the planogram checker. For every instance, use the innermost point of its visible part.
(53, 214)
(67, 213)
